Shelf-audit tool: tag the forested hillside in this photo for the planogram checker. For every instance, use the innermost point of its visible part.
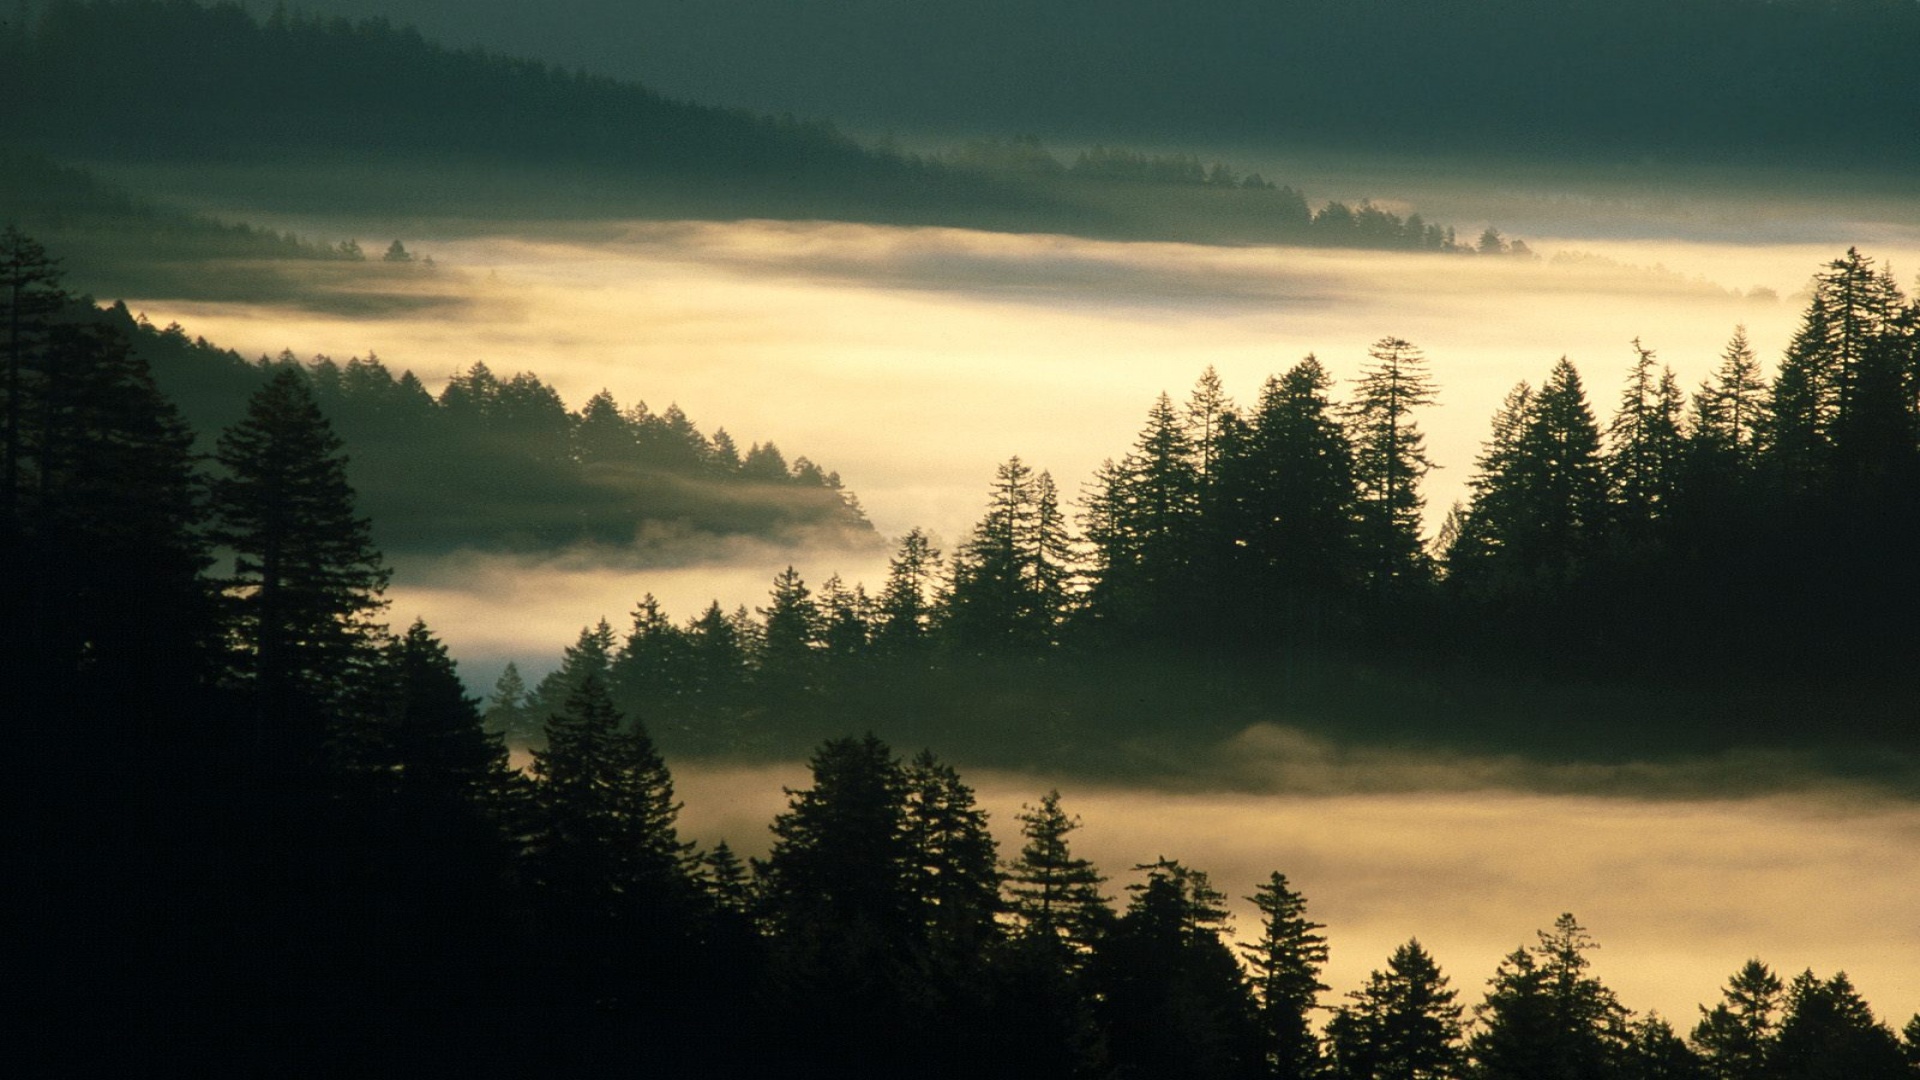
(304, 115)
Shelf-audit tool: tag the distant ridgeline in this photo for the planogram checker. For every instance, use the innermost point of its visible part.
(502, 464)
(1286, 214)
(140, 80)
(122, 244)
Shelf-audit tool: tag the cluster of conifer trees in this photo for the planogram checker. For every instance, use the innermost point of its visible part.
(1756, 529)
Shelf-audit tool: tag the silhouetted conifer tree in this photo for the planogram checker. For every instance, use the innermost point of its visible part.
(650, 671)
(1729, 414)
(605, 854)
(1288, 499)
(1286, 963)
(1733, 1036)
(1403, 1024)
(846, 624)
(838, 893)
(1828, 1032)
(1009, 580)
(104, 555)
(508, 713)
(432, 736)
(791, 638)
(1172, 999)
(1644, 462)
(1142, 524)
(306, 579)
(1389, 460)
(589, 657)
(906, 605)
(1545, 1017)
(1053, 893)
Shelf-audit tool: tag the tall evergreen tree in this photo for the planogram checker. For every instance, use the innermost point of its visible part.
(1173, 1000)
(1644, 448)
(1729, 412)
(508, 712)
(906, 602)
(846, 622)
(1009, 580)
(1142, 523)
(955, 877)
(1286, 963)
(606, 846)
(1841, 397)
(306, 579)
(1209, 412)
(649, 672)
(432, 737)
(1288, 498)
(840, 893)
(1053, 893)
(1555, 484)
(1389, 460)
(589, 657)
(104, 554)
(790, 646)
(1486, 528)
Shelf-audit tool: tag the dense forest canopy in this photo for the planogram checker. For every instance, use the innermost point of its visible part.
(326, 115)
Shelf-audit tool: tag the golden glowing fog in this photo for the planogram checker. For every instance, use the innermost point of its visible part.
(914, 360)
(1678, 894)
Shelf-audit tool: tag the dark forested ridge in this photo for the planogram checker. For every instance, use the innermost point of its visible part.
(1715, 80)
(122, 244)
(301, 114)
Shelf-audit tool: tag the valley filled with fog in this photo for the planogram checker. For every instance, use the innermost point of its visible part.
(913, 360)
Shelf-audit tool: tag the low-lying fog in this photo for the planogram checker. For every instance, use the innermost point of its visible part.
(1678, 894)
(913, 360)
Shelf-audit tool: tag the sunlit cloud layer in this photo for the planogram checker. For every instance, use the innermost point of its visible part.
(1678, 894)
(913, 360)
